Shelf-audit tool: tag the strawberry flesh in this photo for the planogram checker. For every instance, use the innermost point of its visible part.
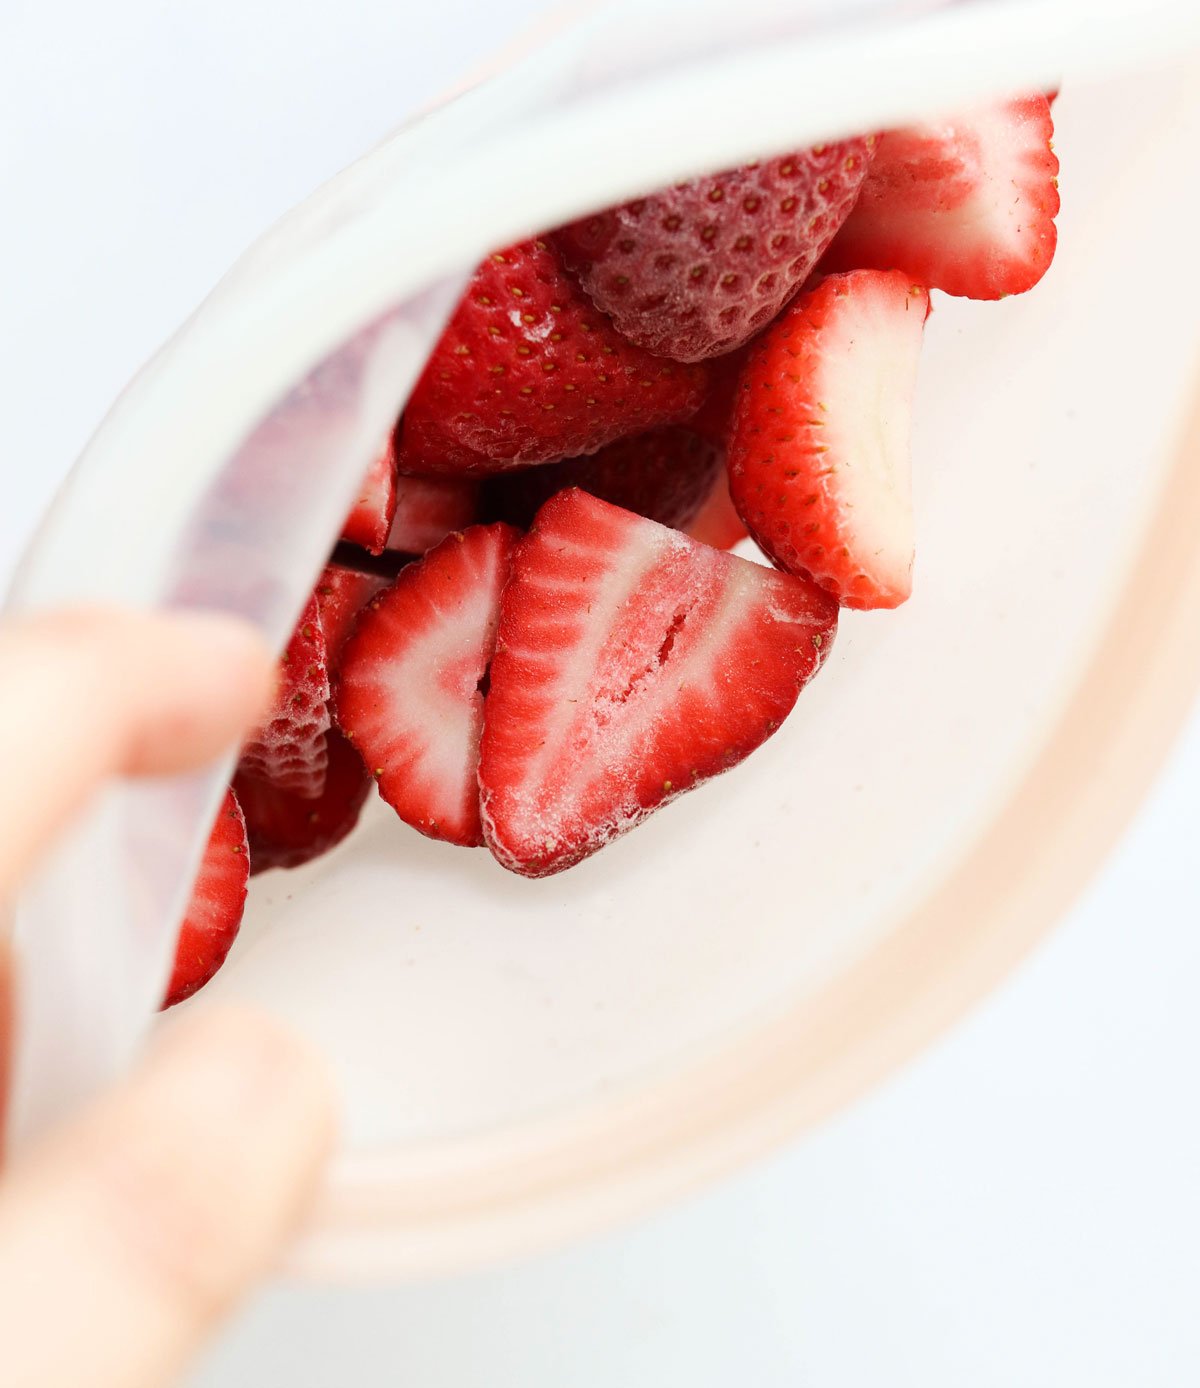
(696, 270)
(409, 693)
(214, 913)
(819, 453)
(631, 664)
(665, 474)
(527, 371)
(371, 519)
(965, 204)
(430, 508)
(286, 830)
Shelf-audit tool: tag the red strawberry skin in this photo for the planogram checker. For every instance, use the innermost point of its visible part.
(371, 518)
(964, 204)
(528, 371)
(696, 270)
(286, 830)
(665, 474)
(430, 508)
(631, 664)
(214, 913)
(409, 693)
(288, 748)
(822, 416)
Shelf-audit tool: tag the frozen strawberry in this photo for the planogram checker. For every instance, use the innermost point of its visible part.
(664, 474)
(631, 664)
(371, 519)
(429, 508)
(288, 748)
(717, 523)
(528, 372)
(410, 691)
(340, 595)
(819, 462)
(214, 913)
(285, 830)
(965, 204)
(696, 270)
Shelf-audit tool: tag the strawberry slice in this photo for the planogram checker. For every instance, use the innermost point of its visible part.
(340, 595)
(965, 204)
(285, 830)
(664, 474)
(631, 664)
(371, 519)
(696, 270)
(410, 690)
(819, 454)
(214, 913)
(428, 509)
(288, 747)
(528, 372)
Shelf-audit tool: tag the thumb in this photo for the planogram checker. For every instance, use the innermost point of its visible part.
(143, 1222)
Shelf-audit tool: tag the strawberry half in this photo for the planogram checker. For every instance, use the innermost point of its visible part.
(430, 508)
(285, 830)
(528, 372)
(664, 474)
(819, 462)
(631, 664)
(371, 519)
(288, 747)
(214, 913)
(966, 204)
(340, 595)
(696, 270)
(410, 690)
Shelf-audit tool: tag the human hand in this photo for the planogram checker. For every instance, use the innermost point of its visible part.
(128, 1234)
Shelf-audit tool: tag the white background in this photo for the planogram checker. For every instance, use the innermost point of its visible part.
(1020, 1207)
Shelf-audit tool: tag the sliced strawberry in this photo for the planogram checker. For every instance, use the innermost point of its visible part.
(371, 519)
(528, 372)
(409, 693)
(286, 830)
(819, 454)
(288, 748)
(214, 913)
(631, 664)
(965, 204)
(428, 509)
(696, 270)
(340, 595)
(664, 474)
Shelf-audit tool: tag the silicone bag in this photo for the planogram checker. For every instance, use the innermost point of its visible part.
(520, 1061)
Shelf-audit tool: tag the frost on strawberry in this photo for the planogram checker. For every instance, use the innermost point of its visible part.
(528, 371)
(631, 665)
(694, 271)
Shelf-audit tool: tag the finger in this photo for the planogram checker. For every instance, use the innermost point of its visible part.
(140, 1225)
(89, 694)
